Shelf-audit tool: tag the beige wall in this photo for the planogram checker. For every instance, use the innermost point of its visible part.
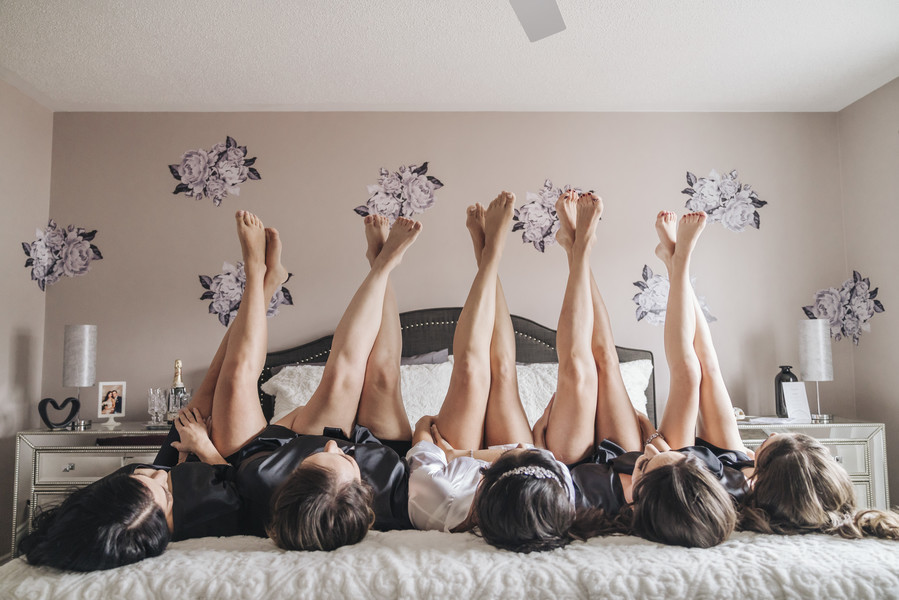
(25, 149)
(110, 173)
(869, 161)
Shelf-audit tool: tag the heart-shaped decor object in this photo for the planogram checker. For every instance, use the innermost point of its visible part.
(42, 409)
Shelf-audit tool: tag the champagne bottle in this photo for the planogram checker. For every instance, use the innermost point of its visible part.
(176, 393)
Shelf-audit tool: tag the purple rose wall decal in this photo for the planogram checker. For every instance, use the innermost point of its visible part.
(226, 290)
(848, 308)
(60, 252)
(214, 173)
(406, 192)
(652, 299)
(724, 199)
(537, 219)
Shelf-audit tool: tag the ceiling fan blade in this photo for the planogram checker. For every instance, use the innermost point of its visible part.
(540, 18)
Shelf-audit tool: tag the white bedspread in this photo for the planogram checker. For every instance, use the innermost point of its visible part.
(420, 564)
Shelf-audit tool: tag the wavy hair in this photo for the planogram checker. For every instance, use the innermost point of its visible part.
(682, 504)
(110, 523)
(798, 488)
(314, 510)
(521, 512)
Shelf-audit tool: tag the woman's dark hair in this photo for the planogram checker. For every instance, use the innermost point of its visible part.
(798, 487)
(516, 510)
(110, 523)
(682, 504)
(313, 510)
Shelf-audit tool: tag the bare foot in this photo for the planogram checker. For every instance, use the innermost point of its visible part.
(589, 209)
(666, 227)
(275, 273)
(402, 234)
(377, 228)
(566, 209)
(688, 230)
(497, 218)
(251, 233)
(475, 222)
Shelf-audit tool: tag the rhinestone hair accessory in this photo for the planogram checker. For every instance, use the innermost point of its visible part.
(531, 471)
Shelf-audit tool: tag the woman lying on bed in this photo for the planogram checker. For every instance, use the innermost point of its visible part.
(522, 501)
(606, 475)
(133, 513)
(320, 473)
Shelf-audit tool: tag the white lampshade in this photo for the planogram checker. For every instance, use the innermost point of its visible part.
(815, 359)
(79, 356)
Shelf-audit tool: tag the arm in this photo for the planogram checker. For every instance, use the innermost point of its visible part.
(195, 437)
(451, 453)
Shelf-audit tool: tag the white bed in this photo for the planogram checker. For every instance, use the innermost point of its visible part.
(419, 564)
(416, 564)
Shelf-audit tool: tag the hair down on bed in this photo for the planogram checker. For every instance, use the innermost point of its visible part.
(523, 513)
(798, 487)
(110, 523)
(683, 504)
(313, 510)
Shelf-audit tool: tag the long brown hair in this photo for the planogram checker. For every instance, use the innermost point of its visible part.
(523, 513)
(798, 487)
(683, 504)
(313, 510)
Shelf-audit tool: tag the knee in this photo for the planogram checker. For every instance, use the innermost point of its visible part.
(383, 378)
(503, 369)
(688, 371)
(467, 372)
(605, 358)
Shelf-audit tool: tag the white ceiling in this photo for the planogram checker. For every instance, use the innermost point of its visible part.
(615, 55)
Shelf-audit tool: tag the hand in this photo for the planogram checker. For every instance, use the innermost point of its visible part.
(646, 428)
(194, 431)
(541, 425)
(422, 431)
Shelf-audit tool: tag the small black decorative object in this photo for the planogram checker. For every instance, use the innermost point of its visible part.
(780, 405)
(42, 409)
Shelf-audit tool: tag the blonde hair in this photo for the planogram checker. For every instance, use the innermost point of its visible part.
(798, 488)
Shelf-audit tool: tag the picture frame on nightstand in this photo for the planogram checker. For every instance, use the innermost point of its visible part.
(110, 399)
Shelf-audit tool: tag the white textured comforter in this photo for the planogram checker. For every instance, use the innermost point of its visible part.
(419, 564)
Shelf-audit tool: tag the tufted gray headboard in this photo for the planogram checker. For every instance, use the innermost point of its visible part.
(431, 329)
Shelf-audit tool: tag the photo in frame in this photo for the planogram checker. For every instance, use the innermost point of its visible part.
(111, 399)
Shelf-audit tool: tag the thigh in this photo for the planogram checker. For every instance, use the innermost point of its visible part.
(570, 429)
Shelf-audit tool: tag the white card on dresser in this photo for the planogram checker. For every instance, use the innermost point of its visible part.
(797, 401)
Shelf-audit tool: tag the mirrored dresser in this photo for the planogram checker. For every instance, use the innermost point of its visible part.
(49, 464)
(859, 447)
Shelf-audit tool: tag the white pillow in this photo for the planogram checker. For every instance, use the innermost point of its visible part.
(424, 386)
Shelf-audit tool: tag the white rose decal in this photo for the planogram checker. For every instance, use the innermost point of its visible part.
(652, 299)
(407, 192)
(537, 219)
(724, 199)
(215, 174)
(848, 309)
(225, 290)
(58, 252)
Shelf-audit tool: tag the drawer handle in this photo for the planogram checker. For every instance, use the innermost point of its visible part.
(838, 458)
(68, 467)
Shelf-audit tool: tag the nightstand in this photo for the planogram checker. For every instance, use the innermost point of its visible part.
(50, 464)
(859, 447)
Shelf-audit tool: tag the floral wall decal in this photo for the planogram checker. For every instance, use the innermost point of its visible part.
(652, 299)
(406, 192)
(226, 290)
(724, 199)
(537, 219)
(214, 173)
(60, 252)
(848, 308)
